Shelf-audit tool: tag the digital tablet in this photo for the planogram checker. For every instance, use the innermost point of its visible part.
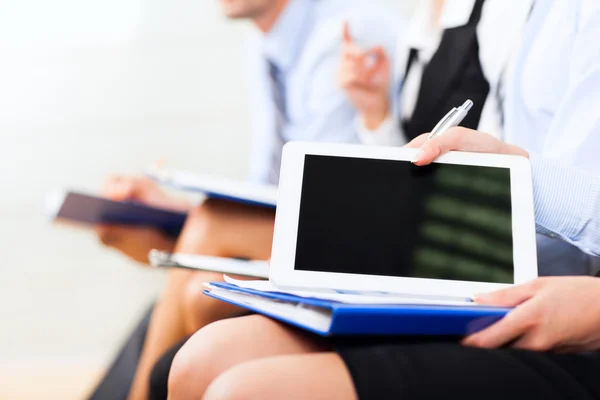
(365, 218)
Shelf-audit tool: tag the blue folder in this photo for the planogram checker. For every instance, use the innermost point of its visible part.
(333, 318)
(228, 190)
(93, 210)
(235, 199)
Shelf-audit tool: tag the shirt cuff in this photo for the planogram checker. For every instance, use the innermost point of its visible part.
(564, 200)
(387, 134)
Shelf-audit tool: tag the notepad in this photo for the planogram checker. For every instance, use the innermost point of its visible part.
(89, 209)
(215, 187)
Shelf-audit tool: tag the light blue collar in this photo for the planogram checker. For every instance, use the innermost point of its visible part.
(284, 42)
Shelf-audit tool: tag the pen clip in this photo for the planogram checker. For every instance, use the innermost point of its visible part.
(440, 124)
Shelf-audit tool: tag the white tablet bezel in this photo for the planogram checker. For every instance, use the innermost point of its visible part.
(288, 208)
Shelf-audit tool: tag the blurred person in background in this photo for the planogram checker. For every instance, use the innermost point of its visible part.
(452, 50)
(292, 62)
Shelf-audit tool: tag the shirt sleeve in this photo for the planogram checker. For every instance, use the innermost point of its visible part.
(567, 179)
(387, 134)
(569, 210)
(261, 170)
(330, 116)
(327, 115)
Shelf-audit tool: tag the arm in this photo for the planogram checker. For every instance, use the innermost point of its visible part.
(136, 241)
(566, 178)
(567, 199)
(348, 110)
(365, 77)
(327, 116)
(557, 313)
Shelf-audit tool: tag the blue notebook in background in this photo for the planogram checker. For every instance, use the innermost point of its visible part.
(328, 317)
(217, 188)
(92, 210)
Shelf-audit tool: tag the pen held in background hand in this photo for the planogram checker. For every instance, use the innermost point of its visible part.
(225, 265)
(452, 119)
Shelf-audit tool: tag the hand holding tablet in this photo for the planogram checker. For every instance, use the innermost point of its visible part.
(364, 218)
(460, 139)
(368, 243)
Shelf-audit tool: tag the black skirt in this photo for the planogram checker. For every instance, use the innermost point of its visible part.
(407, 369)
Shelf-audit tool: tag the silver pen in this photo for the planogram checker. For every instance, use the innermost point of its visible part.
(452, 119)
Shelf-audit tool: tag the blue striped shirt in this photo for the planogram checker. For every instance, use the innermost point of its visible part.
(553, 111)
(567, 203)
(305, 45)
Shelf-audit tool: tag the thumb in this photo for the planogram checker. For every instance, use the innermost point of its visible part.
(441, 144)
(510, 297)
(417, 142)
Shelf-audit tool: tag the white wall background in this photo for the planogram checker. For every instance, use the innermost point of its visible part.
(86, 89)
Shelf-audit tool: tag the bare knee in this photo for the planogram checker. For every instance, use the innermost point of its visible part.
(199, 309)
(198, 362)
(218, 347)
(202, 231)
(237, 383)
(308, 376)
(228, 343)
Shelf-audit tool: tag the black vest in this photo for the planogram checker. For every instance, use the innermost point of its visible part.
(453, 75)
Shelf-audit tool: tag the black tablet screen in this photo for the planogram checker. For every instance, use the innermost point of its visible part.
(383, 217)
